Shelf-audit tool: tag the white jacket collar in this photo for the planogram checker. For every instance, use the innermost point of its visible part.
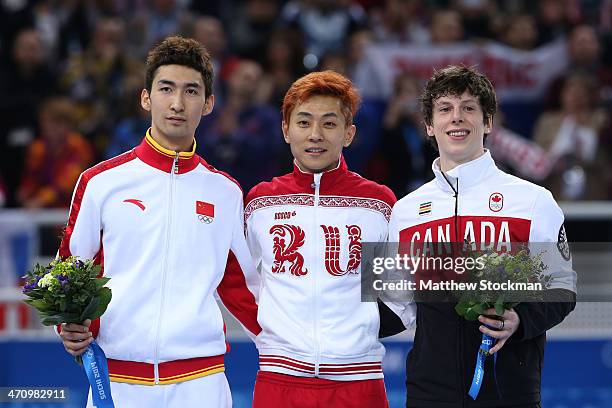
(468, 174)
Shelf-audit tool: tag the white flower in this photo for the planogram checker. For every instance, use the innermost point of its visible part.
(46, 280)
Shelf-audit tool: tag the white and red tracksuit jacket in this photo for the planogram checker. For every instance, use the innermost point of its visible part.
(305, 233)
(477, 202)
(168, 229)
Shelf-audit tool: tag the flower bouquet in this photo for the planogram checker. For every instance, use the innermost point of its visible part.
(67, 291)
(502, 281)
(70, 291)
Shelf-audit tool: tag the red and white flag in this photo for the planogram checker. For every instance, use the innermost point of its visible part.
(206, 209)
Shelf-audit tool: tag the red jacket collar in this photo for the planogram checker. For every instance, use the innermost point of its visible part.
(152, 153)
(330, 176)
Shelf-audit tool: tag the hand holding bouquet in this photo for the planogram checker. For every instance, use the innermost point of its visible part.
(70, 291)
(503, 280)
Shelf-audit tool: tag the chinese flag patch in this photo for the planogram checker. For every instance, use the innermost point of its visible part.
(204, 208)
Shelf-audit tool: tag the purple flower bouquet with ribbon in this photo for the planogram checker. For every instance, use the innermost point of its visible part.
(71, 291)
(501, 281)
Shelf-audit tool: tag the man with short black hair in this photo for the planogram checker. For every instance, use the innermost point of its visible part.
(167, 228)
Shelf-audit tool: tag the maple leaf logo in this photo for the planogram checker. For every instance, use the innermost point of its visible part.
(496, 202)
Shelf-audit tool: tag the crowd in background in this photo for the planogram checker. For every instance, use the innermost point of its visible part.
(72, 71)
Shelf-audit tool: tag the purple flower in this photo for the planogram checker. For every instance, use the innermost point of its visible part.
(78, 264)
(30, 286)
(502, 272)
(63, 280)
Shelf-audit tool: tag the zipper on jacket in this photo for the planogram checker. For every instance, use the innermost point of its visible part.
(316, 185)
(456, 215)
(459, 241)
(173, 174)
(460, 322)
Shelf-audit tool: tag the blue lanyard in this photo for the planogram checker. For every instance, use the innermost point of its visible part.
(96, 368)
(485, 345)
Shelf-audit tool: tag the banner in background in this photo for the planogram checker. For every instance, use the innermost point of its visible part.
(517, 75)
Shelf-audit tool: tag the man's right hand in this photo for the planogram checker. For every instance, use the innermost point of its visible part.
(76, 337)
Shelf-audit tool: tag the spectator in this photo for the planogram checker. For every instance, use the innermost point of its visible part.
(77, 19)
(325, 24)
(56, 159)
(15, 16)
(209, 31)
(571, 136)
(584, 49)
(96, 81)
(357, 44)
(250, 26)
(25, 79)
(446, 27)
(283, 64)
(399, 21)
(551, 20)
(521, 32)
(154, 22)
(128, 132)
(404, 147)
(243, 137)
(480, 18)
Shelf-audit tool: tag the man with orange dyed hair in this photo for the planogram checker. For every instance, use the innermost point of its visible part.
(319, 343)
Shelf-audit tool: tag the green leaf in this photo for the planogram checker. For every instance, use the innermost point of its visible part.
(474, 310)
(90, 308)
(52, 320)
(499, 306)
(56, 319)
(104, 295)
(39, 304)
(100, 282)
(471, 314)
(72, 318)
(461, 308)
(95, 271)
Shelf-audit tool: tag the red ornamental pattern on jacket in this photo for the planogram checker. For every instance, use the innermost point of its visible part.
(332, 249)
(288, 252)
